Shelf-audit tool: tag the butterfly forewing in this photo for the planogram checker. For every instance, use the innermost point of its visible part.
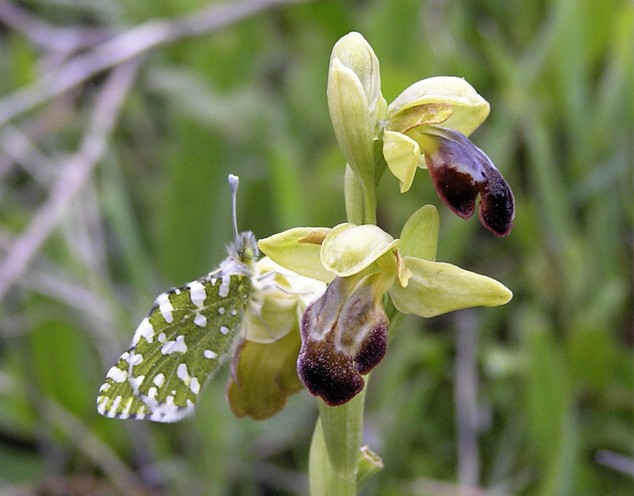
(175, 349)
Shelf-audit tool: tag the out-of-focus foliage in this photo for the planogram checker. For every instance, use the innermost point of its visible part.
(553, 369)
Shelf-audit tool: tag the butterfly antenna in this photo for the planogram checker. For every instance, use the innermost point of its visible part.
(233, 185)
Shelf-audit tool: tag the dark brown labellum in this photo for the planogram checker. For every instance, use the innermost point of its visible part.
(344, 336)
(460, 172)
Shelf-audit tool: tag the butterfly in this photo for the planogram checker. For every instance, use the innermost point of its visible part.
(183, 340)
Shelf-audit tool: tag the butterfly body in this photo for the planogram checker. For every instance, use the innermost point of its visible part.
(182, 341)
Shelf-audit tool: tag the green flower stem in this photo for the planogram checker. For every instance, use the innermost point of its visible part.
(369, 205)
(360, 199)
(336, 448)
(354, 197)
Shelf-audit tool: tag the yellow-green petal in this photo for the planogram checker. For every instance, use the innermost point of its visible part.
(348, 249)
(436, 288)
(469, 108)
(291, 250)
(402, 155)
(419, 236)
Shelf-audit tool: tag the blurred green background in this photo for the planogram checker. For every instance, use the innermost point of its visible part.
(533, 398)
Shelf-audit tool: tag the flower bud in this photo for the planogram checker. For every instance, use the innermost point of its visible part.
(355, 102)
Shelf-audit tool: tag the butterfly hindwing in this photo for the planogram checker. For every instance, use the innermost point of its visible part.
(116, 399)
(176, 349)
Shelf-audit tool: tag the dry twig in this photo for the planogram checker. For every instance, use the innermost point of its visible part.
(126, 46)
(70, 179)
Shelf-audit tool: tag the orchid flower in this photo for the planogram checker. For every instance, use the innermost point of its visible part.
(427, 127)
(344, 332)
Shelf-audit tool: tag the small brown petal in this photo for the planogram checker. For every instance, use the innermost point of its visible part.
(460, 171)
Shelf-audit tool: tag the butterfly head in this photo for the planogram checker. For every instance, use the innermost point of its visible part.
(243, 253)
(245, 248)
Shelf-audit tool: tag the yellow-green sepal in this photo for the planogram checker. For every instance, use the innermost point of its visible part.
(469, 109)
(298, 249)
(264, 376)
(435, 288)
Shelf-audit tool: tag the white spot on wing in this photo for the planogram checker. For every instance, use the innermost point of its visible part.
(209, 354)
(200, 320)
(191, 382)
(135, 382)
(195, 385)
(224, 329)
(116, 374)
(224, 287)
(101, 405)
(177, 346)
(135, 359)
(197, 293)
(183, 373)
(159, 379)
(144, 330)
(165, 307)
